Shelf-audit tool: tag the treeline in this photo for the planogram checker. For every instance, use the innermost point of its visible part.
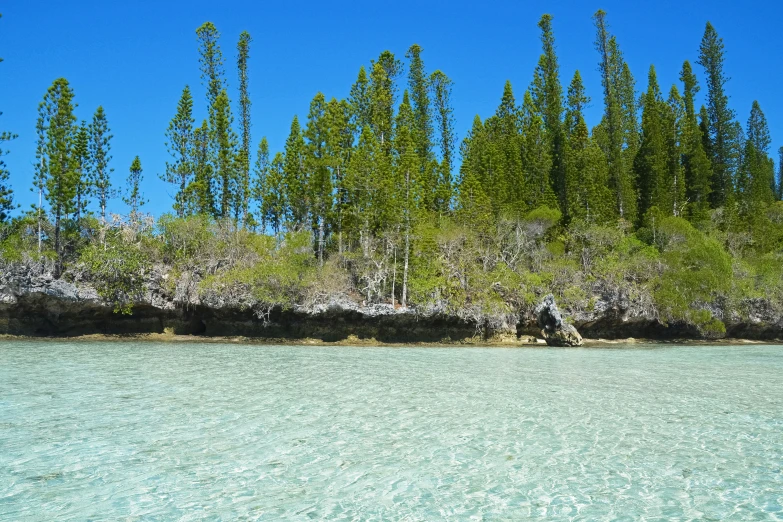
(372, 178)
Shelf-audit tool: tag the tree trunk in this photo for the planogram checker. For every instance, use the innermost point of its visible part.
(394, 275)
(58, 266)
(40, 207)
(404, 301)
(321, 241)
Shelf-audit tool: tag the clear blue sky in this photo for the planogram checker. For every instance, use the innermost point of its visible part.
(134, 58)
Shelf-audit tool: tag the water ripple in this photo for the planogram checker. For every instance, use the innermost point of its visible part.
(94, 431)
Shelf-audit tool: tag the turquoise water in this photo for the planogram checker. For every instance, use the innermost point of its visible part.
(99, 431)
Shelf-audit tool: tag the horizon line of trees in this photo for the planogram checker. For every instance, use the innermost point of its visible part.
(380, 162)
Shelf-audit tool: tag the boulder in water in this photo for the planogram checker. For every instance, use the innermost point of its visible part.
(555, 330)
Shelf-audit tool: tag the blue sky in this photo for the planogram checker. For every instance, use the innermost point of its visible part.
(134, 58)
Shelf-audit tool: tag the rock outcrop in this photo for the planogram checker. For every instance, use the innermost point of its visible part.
(556, 332)
(33, 303)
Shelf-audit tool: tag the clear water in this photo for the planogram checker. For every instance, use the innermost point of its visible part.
(99, 431)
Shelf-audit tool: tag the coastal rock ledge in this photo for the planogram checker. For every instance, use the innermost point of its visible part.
(556, 332)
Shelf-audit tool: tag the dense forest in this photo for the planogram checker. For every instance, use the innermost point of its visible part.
(670, 207)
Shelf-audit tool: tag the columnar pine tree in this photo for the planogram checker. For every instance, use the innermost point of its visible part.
(57, 169)
(359, 102)
(6, 194)
(273, 195)
(180, 145)
(81, 154)
(319, 185)
(225, 161)
(619, 114)
(505, 180)
(339, 143)
(211, 63)
(444, 118)
(536, 161)
(547, 94)
(408, 189)
(296, 182)
(133, 196)
(650, 164)
(696, 164)
(674, 123)
(588, 197)
(220, 152)
(258, 188)
(756, 176)
(200, 194)
(243, 52)
(100, 148)
(419, 95)
(368, 184)
(722, 130)
(383, 93)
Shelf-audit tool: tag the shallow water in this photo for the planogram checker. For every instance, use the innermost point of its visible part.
(93, 431)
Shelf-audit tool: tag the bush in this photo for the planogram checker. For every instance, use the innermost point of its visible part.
(118, 269)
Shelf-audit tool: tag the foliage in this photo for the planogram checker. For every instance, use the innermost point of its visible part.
(118, 269)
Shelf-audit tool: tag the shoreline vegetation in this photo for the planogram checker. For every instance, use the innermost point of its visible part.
(662, 221)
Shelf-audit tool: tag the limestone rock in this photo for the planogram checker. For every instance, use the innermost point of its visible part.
(555, 330)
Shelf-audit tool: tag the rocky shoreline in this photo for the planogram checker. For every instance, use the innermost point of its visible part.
(41, 306)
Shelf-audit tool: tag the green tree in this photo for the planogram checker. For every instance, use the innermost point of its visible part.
(319, 185)
(444, 118)
(536, 161)
(100, 148)
(651, 161)
(587, 193)
(261, 171)
(722, 130)
(243, 53)
(339, 144)
(503, 180)
(619, 112)
(382, 94)
(296, 182)
(756, 177)
(180, 145)
(56, 133)
(674, 125)
(418, 84)
(133, 196)
(407, 182)
(696, 163)
(273, 194)
(211, 64)
(226, 164)
(368, 185)
(200, 195)
(81, 152)
(359, 102)
(547, 96)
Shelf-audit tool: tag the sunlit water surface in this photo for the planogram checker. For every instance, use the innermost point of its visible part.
(100, 431)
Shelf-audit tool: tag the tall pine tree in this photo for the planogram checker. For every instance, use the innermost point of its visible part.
(444, 118)
(696, 163)
(722, 129)
(133, 196)
(296, 182)
(100, 156)
(243, 54)
(180, 145)
(56, 128)
(547, 94)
